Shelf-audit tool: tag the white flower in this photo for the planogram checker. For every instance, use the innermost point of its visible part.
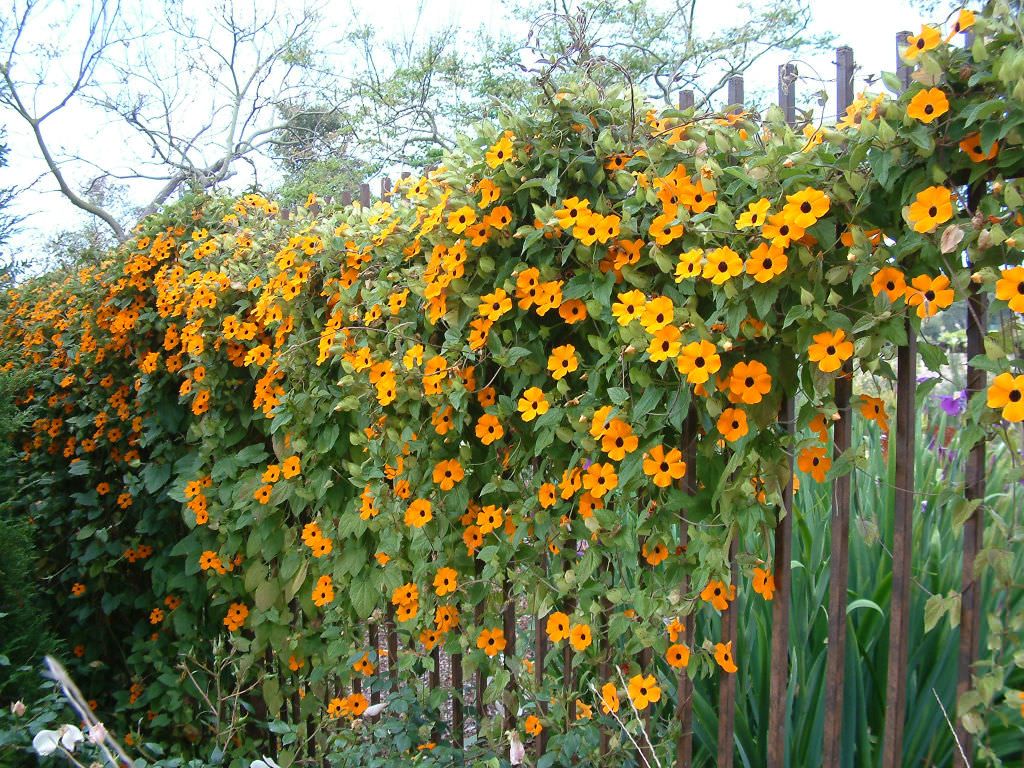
(18, 708)
(46, 742)
(516, 750)
(266, 762)
(375, 710)
(70, 737)
(97, 733)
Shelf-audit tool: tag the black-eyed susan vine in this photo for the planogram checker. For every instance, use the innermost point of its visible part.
(284, 429)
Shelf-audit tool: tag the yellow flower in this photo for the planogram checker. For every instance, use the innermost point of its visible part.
(931, 207)
(533, 403)
(928, 104)
(1007, 392)
(722, 265)
(643, 691)
(928, 39)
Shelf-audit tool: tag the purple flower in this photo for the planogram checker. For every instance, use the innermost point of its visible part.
(581, 547)
(954, 405)
(586, 464)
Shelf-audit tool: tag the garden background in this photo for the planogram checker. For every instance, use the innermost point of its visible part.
(616, 435)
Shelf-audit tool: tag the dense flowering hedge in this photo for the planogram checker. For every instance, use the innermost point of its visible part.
(276, 430)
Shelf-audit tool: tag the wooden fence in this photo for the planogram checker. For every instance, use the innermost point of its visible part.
(384, 636)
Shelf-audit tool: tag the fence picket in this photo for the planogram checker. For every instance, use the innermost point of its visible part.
(778, 709)
(902, 552)
(787, 91)
(835, 668)
(727, 682)
(508, 621)
(974, 526)
(684, 689)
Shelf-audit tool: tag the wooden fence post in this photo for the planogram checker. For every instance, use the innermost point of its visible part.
(835, 667)
(727, 682)
(902, 67)
(346, 198)
(385, 189)
(844, 79)
(778, 702)
(903, 524)
(685, 99)
(508, 620)
(735, 91)
(974, 526)
(375, 644)
(787, 92)
(364, 195)
(540, 742)
(605, 665)
(902, 552)
(684, 689)
(458, 717)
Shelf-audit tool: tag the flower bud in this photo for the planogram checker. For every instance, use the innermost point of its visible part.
(18, 708)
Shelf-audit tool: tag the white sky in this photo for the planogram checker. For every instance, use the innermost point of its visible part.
(868, 26)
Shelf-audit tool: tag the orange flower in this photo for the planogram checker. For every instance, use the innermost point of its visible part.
(929, 294)
(643, 691)
(447, 473)
(717, 594)
(722, 265)
(658, 313)
(501, 152)
(928, 104)
(931, 207)
(780, 231)
(654, 555)
(971, 146)
(557, 627)
(237, 614)
(573, 311)
(262, 494)
(830, 350)
(489, 429)
(677, 655)
(874, 409)
(533, 725)
(698, 360)
(628, 307)
(599, 479)
(754, 215)
(532, 404)
(546, 495)
(1006, 392)
(562, 361)
(664, 468)
(418, 513)
(460, 219)
(814, 461)
(291, 467)
(928, 39)
(724, 658)
(805, 207)
(492, 641)
(1010, 288)
(446, 581)
(493, 305)
(323, 592)
(609, 698)
(750, 382)
(889, 281)
(618, 440)
(765, 262)
(764, 583)
(580, 637)
(490, 518)
(664, 344)
(732, 423)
